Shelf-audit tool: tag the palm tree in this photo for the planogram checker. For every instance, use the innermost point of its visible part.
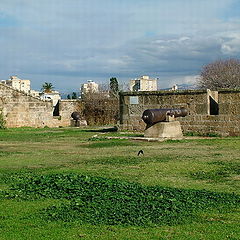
(47, 87)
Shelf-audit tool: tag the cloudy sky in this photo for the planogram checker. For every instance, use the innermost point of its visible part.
(67, 42)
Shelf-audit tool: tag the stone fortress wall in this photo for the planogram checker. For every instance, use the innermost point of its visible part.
(209, 111)
(20, 109)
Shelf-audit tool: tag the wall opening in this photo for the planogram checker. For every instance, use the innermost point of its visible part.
(212, 100)
(56, 109)
(214, 108)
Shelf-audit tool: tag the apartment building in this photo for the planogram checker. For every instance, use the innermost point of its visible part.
(143, 83)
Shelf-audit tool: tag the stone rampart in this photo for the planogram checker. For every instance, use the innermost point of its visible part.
(66, 108)
(20, 109)
(201, 118)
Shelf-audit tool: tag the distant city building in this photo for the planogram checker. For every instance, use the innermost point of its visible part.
(54, 96)
(35, 93)
(143, 83)
(24, 86)
(89, 87)
(19, 84)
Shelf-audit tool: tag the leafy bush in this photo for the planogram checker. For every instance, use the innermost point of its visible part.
(99, 109)
(98, 200)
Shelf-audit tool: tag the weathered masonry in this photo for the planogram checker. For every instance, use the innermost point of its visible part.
(20, 109)
(209, 111)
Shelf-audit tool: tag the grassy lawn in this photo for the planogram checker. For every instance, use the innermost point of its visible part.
(76, 184)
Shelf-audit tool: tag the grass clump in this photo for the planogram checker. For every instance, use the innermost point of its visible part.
(130, 160)
(225, 170)
(110, 143)
(210, 134)
(97, 200)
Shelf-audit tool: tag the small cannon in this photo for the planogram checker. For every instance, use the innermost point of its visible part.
(75, 116)
(152, 116)
(75, 122)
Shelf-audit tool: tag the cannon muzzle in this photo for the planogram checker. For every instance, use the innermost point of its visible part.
(152, 116)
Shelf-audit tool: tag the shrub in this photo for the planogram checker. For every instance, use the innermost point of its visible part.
(100, 109)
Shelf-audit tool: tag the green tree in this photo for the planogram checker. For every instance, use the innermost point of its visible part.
(114, 88)
(68, 96)
(74, 95)
(47, 87)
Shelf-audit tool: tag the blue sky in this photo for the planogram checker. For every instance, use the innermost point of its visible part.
(67, 42)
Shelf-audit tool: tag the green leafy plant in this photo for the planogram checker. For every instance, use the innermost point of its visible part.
(97, 200)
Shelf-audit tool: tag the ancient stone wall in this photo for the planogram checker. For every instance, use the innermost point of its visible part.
(226, 122)
(20, 109)
(229, 102)
(66, 108)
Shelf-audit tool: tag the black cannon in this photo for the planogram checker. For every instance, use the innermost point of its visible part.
(76, 119)
(76, 116)
(152, 116)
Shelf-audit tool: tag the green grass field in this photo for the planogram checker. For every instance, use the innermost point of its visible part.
(76, 184)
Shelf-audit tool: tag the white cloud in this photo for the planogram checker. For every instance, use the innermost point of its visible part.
(94, 39)
(191, 80)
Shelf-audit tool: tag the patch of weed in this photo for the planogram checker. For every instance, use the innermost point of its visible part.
(97, 200)
(226, 169)
(39, 135)
(210, 134)
(97, 138)
(122, 160)
(7, 153)
(217, 154)
(230, 167)
(111, 143)
(215, 175)
(174, 141)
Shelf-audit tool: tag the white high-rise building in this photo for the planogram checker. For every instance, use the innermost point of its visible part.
(89, 87)
(19, 84)
(143, 83)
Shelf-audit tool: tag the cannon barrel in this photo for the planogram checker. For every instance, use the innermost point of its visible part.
(152, 116)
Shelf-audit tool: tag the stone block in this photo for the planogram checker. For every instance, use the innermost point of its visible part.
(164, 130)
(78, 123)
